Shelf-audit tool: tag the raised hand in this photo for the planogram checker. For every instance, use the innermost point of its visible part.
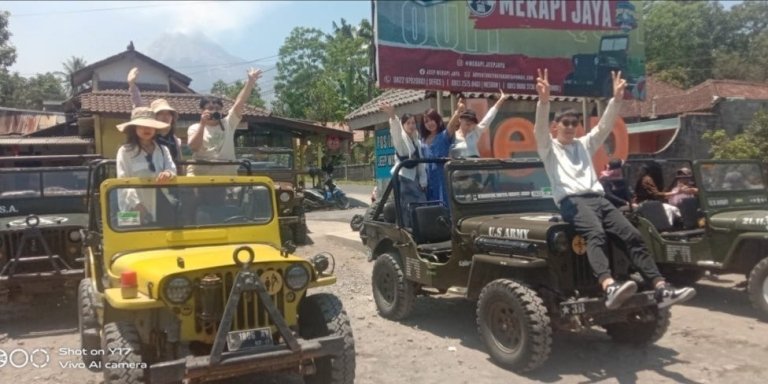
(619, 85)
(133, 75)
(388, 109)
(461, 106)
(254, 74)
(542, 86)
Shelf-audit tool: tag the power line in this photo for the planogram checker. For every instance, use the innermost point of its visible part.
(171, 4)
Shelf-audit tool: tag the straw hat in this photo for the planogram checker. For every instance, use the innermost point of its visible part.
(144, 117)
(162, 105)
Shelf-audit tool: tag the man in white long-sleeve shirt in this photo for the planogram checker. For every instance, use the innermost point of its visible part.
(580, 196)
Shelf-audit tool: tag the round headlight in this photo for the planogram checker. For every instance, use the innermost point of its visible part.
(178, 289)
(296, 277)
(74, 236)
(285, 197)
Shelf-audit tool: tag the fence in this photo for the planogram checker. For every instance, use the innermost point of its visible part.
(354, 172)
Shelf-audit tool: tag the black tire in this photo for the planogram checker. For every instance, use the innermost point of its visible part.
(640, 332)
(357, 222)
(514, 325)
(300, 228)
(123, 367)
(323, 315)
(88, 325)
(371, 210)
(757, 287)
(342, 202)
(393, 294)
(682, 277)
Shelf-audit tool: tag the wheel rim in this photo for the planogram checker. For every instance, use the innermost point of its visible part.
(386, 286)
(505, 327)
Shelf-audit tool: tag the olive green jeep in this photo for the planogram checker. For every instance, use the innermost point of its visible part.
(42, 213)
(504, 245)
(722, 229)
(278, 165)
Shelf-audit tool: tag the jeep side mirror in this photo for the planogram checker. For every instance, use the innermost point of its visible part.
(288, 247)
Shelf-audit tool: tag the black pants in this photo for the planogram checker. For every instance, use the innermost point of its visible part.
(592, 217)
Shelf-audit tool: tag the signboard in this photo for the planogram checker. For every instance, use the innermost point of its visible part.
(385, 154)
(487, 45)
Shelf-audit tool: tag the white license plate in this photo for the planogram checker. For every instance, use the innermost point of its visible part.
(249, 338)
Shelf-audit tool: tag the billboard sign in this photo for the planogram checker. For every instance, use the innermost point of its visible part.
(385, 154)
(487, 45)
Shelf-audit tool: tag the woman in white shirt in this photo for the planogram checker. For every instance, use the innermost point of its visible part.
(468, 134)
(141, 156)
(413, 179)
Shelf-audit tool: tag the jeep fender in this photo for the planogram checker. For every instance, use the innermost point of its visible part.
(746, 250)
(486, 268)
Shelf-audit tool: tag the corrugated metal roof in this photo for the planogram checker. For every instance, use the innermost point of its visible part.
(398, 97)
(119, 101)
(60, 140)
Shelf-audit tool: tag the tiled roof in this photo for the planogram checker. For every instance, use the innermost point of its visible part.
(702, 97)
(119, 101)
(85, 74)
(398, 97)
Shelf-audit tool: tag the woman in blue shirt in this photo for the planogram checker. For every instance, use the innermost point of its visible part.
(436, 140)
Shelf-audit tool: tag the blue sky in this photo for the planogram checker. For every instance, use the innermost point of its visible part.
(47, 33)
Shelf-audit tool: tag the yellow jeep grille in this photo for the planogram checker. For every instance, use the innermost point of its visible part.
(251, 312)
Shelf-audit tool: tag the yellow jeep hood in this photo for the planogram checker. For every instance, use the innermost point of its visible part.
(154, 265)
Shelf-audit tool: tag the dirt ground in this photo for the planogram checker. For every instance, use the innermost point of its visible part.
(713, 339)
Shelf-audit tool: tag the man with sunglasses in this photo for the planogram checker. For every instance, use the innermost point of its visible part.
(580, 196)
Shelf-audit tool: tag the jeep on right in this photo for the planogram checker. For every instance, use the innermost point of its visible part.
(502, 244)
(722, 229)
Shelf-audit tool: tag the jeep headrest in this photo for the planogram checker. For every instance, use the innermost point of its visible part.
(389, 212)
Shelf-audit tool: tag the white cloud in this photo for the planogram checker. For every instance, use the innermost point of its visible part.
(209, 17)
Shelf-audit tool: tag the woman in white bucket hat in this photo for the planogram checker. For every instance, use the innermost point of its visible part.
(163, 112)
(141, 156)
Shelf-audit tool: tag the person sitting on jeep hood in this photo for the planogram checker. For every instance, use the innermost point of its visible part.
(413, 178)
(578, 193)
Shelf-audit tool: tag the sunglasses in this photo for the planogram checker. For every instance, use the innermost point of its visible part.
(569, 122)
(150, 164)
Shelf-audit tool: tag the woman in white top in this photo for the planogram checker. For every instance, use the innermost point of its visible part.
(468, 134)
(141, 156)
(413, 179)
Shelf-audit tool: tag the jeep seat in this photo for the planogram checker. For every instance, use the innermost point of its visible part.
(653, 211)
(429, 223)
(389, 212)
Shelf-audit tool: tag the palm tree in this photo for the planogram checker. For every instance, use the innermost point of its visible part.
(72, 65)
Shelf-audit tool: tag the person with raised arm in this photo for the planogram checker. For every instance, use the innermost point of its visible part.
(580, 196)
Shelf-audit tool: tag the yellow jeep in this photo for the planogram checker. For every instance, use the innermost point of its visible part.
(195, 285)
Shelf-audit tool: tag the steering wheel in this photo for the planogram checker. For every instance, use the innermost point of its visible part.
(235, 218)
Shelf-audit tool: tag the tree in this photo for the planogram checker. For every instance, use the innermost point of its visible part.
(72, 65)
(682, 38)
(323, 77)
(7, 50)
(750, 144)
(300, 65)
(744, 53)
(230, 91)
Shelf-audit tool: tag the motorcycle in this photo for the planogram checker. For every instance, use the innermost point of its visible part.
(323, 194)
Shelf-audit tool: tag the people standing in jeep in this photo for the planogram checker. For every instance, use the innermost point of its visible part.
(214, 137)
(413, 179)
(580, 197)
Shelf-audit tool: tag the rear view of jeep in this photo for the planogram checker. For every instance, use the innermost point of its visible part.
(503, 244)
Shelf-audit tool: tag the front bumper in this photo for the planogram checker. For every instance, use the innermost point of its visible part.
(263, 359)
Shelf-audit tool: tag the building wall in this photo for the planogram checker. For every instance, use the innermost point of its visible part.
(649, 142)
(109, 138)
(118, 71)
(735, 115)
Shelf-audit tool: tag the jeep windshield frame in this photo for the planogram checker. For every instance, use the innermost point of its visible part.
(728, 185)
(43, 182)
(188, 206)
